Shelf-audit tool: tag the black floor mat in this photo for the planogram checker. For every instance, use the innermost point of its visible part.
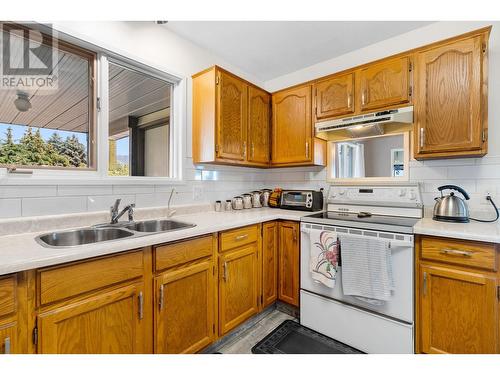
(292, 338)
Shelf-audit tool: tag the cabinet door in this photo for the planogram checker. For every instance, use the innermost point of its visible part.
(385, 84)
(238, 286)
(259, 118)
(334, 96)
(8, 339)
(232, 117)
(289, 258)
(458, 311)
(292, 126)
(269, 262)
(448, 99)
(185, 309)
(107, 323)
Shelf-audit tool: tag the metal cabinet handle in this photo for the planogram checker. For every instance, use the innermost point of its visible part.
(252, 150)
(422, 137)
(224, 274)
(294, 235)
(349, 100)
(162, 300)
(307, 149)
(240, 237)
(141, 305)
(363, 97)
(244, 149)
(456, 252)
(6, 345)
(425, 284)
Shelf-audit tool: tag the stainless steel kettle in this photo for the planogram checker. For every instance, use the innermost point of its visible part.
(451, 208)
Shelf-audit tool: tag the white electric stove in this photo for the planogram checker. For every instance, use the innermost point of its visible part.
(387, 212)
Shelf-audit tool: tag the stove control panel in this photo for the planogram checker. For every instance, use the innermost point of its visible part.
(388, 196)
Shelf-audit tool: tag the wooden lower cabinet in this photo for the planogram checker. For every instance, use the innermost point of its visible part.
(270, 243)
(238, 286)
(458, 311)
(8, 339)
(106, 323)
(457, 305)
(185, 308)
(289, 262)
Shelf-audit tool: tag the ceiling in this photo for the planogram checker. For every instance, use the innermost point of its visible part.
(269, 49)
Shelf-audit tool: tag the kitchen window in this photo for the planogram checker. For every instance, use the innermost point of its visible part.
(139, 108)
(108, 118)
(47, 102)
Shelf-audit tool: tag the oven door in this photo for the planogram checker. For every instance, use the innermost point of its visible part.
(400, 306)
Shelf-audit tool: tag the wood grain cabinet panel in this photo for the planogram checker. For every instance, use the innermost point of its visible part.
(459, 252)
(270, 243)
(292, 126)
(450, 100)
(232, 122)
(185, 309)
(289, 262)
(334, 96)
(458, 311)
(259, 121)
(385, 84)
(239, 286)
(106, 323)
(9, 339)
(8, 299)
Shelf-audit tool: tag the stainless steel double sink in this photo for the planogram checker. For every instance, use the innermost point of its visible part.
(109, 232)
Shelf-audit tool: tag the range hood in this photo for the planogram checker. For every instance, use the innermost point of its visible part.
(368, 124)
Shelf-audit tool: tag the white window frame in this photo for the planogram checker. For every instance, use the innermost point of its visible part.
(99, 176)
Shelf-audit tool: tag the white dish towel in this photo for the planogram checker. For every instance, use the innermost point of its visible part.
(367, 269)
(323, 263)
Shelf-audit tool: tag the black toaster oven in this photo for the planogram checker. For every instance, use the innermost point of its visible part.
(304, 200)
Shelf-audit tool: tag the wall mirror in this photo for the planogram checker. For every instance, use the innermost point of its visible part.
(382, 158)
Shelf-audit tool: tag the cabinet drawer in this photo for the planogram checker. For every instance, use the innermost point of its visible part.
(182, 252)
(7, 295)
(464, 253)
(59, 283)
(237, 237)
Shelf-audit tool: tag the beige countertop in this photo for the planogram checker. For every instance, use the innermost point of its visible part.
(21, 252)
(487, 232)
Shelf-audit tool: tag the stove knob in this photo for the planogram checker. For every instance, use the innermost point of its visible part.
(402, 192)
(413, 196)
(342, 192)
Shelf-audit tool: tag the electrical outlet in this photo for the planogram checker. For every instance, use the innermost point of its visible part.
(197, 193)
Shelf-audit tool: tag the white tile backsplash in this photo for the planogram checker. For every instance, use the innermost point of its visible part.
(10, 208)
(53, 205)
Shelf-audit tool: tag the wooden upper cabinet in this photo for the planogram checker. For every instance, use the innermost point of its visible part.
(232, 121)
(450, 100)
(334, 96)
(458, 312)
(259, 118)
(385, 84)
(292, 135)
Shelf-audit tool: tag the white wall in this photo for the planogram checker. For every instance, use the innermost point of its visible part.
(476, 176)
